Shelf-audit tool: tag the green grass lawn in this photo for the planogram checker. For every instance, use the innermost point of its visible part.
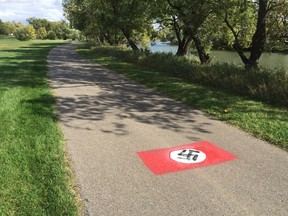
(34, 174)
(264, 121)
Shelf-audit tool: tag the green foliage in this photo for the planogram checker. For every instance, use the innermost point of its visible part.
(263, 84)
(242, 15)
(41, 33)
(111, 21)
(277, 30)
(75, 34)
(185, 19)
(8, 28)
(251, 23)
(51, 35)
(43, 29)
(204, 24)
(31, 32)
(39, 23)
(26, 33)
(61, 30)
(46, 29)
(3, 28)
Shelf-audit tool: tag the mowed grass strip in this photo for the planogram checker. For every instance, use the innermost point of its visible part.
(34, 174)
(264, 121)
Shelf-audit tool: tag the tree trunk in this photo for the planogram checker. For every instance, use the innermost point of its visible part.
(258, 40)
(182, 49)
(240, 52)
(130, 41)
(259, 37)
(203, 56)
(183, 46)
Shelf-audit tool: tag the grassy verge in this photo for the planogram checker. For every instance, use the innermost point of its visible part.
(263, 84)
(258, 118)
(34, 175)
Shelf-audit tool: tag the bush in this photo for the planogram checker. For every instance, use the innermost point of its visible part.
(263, 84)
(42, 33)
(26, 33)
(75, 34)
(51, 35)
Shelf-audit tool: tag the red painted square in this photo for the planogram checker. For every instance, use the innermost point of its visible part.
(189, 156)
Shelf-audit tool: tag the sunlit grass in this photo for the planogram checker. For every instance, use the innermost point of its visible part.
(265, 121)
(34, 175)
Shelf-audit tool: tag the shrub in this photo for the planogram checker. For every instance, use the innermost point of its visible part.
(42, 33)
(26, 33)
(51, 35)
(263, 84)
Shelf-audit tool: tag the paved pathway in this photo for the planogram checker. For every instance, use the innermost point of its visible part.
(107, 118)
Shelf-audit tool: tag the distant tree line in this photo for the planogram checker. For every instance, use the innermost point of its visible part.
(39, 29)
(8, 28)
(243, 25)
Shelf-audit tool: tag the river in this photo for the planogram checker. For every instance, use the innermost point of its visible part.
(267, 60)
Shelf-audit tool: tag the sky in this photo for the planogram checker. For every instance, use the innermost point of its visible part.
(20, 10)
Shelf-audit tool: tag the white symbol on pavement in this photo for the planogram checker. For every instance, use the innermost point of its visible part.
(188, 156)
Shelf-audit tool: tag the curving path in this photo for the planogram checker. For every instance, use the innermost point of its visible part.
(107, 119)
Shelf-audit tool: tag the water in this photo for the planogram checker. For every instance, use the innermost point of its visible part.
(267, 60)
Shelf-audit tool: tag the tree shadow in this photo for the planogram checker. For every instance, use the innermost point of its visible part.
(103, 93)
(42, 106)
(24, 67)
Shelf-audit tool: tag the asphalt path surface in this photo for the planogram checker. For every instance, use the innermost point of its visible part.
(107, 118)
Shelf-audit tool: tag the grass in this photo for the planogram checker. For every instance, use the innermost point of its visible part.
(34, 174)
(264, 84)
(268, 122)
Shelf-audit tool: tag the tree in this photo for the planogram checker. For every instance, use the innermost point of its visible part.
(215, 34)
(41, 33)
(6, 28)
(3, 30)
(17, 24)
(108, 18)
(60, 29)
(10, 27)
(262, 9)
(51, 35)
(38, 23)
(277, 26)
(75, 34)
(186, 18)
(77, 13)
(90, 21)
(26, 33)
(44, 27)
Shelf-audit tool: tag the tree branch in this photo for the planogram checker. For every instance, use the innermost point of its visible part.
(236, 44)
(176, 28)
(173, 5)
